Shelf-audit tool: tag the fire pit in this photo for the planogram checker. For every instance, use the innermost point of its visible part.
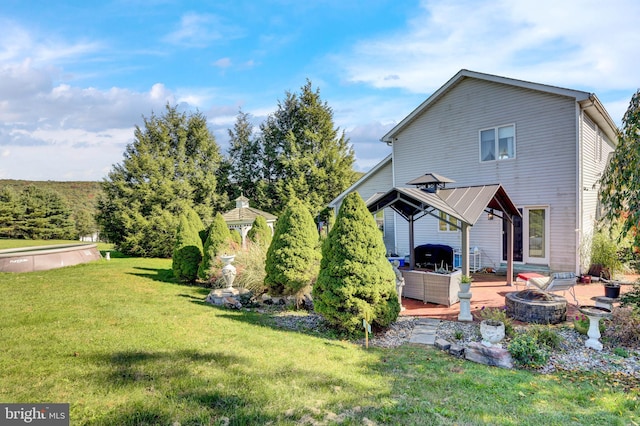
(536, 306)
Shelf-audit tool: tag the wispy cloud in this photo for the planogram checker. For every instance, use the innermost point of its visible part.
(503, 37)
(200, 30)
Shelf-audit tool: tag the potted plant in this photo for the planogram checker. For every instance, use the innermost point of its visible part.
(612, 289)
(465, 283)
(492, 332)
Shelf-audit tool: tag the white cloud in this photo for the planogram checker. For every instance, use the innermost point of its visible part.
(199, 30)
(569, 43)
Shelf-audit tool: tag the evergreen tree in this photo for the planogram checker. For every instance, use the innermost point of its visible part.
(169, 167)
(10, 211)
(42, 214)
(293, 257)
(620, 183)
(299, 153)
(187, 253)
(244, 160)
(356, 280)
(260, 233)
(217, 243)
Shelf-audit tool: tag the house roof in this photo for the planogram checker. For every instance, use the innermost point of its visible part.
(362, 179)
(246, 215)
(588, 101)
(466, 204)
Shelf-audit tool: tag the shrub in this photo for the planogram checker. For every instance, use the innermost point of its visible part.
(498, 314)
(581, 324)
(293, 257)
(527, 352)
(604, 251)
(236, 237)
(187, 253)
(632, 298)
(260, 232)
(623, 328)
(356, 280)
(217, 243)
(545, 335)
(250, 269)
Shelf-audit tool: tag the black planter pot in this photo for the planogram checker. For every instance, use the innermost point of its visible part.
(612, 290)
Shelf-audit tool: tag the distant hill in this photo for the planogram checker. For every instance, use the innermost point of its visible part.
(79, 195)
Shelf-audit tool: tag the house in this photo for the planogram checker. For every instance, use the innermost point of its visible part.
(242, 217)
(546, 146)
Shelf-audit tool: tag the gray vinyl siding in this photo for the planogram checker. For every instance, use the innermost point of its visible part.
(444, 139)
(595, 153)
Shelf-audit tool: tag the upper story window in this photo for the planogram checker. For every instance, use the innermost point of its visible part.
(498, 143)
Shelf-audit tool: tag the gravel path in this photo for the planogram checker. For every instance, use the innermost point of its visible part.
(572, 356)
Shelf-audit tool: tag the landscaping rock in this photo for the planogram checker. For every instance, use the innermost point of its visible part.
(230, 302)
(456, 350)
(498, 357)
(442, 344)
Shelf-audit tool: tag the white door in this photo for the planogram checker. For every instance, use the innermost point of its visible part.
(536, 235)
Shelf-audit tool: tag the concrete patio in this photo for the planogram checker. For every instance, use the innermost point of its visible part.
(489, 290)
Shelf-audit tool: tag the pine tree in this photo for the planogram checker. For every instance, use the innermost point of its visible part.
(293, 257)
(356, 280)
(217, 243)
(187, 253)
(260, 233)
(170, 167)
(10, 211)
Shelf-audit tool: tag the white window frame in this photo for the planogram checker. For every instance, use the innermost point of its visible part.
(446, 219)
(496, 142)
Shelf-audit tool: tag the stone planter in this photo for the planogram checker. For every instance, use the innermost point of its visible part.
(492, 332)
(465, 287)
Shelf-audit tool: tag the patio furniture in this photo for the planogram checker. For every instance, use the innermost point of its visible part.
(524, 277)
(558, 281)
(431, 287)
(434, 255)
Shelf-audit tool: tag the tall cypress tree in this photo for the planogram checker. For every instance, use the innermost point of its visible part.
(356, 280)
(187, 252)
(218, 242)
(260, 233)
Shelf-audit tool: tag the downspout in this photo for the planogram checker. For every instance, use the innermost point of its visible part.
(580, 181)
(395, 215)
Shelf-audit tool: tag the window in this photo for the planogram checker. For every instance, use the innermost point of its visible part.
(498, 143)
(445, 224)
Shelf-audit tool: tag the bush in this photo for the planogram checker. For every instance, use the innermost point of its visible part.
(356, 280)
(604, 251)
(217, 243)
(250, 269)
(546, 336)
(632, 298)
(527, 351)
(498, 315)
(260, 232)
(623, 328)
(581, 324)
(187, 253)
(293, 257)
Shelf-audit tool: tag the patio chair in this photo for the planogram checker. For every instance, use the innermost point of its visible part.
(558, 281)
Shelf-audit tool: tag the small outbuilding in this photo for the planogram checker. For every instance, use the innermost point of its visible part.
(241, 218)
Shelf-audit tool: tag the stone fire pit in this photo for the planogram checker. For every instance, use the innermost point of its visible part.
(535, 306)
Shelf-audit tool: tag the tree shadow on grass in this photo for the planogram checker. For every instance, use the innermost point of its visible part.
(156, 274)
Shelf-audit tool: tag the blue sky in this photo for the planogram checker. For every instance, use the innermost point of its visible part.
(76, 77)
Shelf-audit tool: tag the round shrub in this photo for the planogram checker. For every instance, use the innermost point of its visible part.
(356, 280)
(260, 232)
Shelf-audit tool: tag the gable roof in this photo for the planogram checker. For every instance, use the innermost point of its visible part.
(360, 181)
(244, 215)
(588, 101)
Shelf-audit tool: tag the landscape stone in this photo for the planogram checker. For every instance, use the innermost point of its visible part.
(498, 357)
(442, 344)
(456, 350)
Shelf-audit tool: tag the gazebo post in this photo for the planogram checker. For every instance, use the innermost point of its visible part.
(509, 236)
(465, 248)
(412, 254)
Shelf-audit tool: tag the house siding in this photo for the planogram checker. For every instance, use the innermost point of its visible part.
(595, 154)
(444, 139)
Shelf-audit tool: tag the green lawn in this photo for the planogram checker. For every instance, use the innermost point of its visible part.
(124, 345)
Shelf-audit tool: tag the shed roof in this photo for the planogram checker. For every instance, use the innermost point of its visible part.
(246, 215)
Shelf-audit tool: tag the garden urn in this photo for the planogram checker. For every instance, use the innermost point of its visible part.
(492, 332)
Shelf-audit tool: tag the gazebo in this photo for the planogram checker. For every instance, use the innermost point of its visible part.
(241, 218)
(464, 205)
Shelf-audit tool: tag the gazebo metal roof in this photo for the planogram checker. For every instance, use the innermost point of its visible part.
(464, 204)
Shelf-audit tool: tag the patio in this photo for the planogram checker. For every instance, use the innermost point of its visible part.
(489, 290)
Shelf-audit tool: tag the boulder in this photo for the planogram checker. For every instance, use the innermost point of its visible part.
(495, 356)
